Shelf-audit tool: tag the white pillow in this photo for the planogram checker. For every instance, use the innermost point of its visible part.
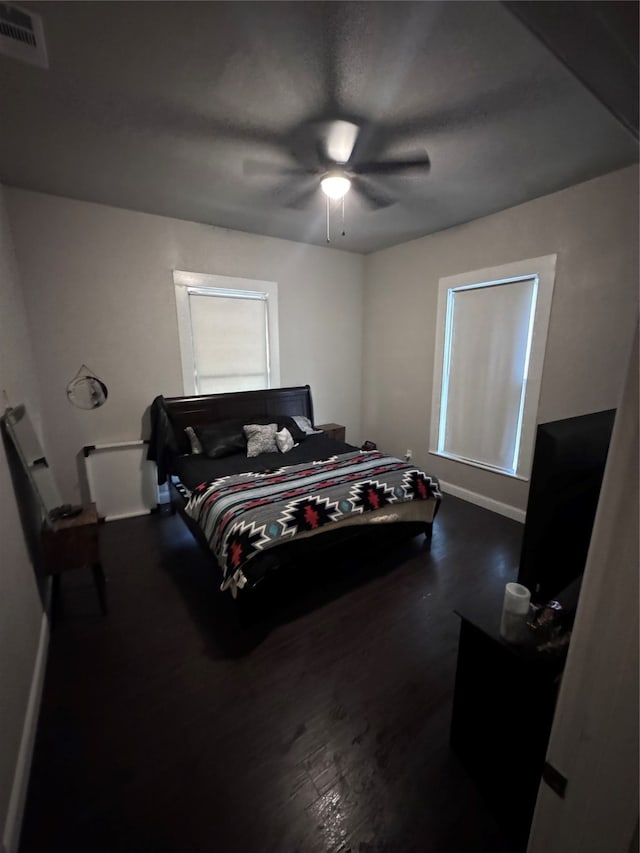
(284, 440)
(261, 438)
(196, 445)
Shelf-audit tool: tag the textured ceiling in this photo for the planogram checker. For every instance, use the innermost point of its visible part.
(158, 106)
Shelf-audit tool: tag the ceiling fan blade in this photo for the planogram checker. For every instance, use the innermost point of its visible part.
(392, 167)
(297, 198)
(340, 140)
(252, 167)
(373, 196)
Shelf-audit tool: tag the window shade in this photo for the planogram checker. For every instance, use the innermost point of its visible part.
(488, 337)
(229, 343)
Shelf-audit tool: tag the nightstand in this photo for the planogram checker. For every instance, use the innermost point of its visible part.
(336, 431)
(72, 543)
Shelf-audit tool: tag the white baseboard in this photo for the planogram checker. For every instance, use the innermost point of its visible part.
(118, 516)
(13, 823)
(487, 503)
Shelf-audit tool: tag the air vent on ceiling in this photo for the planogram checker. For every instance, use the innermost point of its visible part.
(22, 35)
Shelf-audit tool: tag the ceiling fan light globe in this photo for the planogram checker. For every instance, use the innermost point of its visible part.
(335, 186)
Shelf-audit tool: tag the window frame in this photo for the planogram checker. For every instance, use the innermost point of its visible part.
(542, 271)
(209, 284)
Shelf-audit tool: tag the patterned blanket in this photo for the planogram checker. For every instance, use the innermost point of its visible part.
(245, 514)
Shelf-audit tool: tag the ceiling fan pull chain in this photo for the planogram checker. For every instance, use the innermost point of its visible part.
(344, 233)
(328, 232)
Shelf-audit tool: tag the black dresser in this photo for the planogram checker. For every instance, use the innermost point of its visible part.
(503, 707)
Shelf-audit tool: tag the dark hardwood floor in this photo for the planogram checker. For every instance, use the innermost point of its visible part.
(315, 721)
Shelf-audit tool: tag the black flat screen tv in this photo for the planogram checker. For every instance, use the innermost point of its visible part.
(568, 464)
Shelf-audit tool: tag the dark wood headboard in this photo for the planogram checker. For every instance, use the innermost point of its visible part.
(192, 411)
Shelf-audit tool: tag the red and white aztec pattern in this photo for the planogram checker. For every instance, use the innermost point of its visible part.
(245, 514)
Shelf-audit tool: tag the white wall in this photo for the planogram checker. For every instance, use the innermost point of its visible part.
(593, 227)
(20, 608)
(99, 290)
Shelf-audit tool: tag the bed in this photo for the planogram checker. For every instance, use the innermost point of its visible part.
(257, 513)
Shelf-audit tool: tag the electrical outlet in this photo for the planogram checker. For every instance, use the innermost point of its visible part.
(408, 455)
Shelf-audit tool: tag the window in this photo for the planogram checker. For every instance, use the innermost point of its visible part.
(228, 329)
(491, 336)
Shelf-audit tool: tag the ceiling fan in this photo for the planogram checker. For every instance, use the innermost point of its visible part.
(333, 165)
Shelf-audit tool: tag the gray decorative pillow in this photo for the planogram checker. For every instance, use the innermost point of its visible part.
(305, 424)
(196, 446)
(261, 438)
(284, 440)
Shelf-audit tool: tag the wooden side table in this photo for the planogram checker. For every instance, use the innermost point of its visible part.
(336, 431)
(72, 543)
